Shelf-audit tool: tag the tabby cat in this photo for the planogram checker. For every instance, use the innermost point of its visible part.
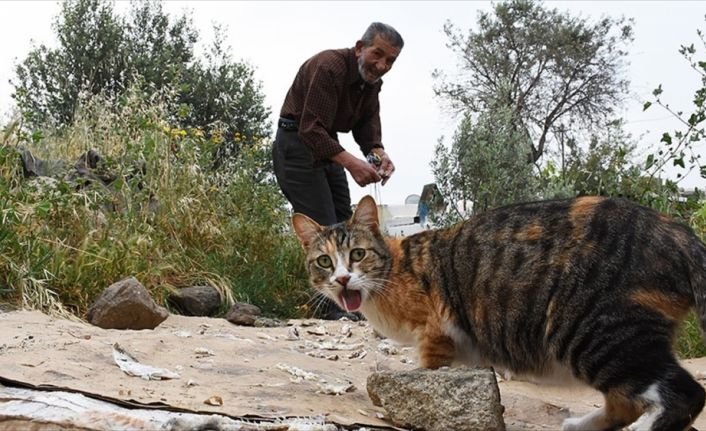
(595, 287)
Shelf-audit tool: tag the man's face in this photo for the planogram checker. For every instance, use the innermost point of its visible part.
(375, 60)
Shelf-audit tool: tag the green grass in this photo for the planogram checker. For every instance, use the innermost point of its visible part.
(169, 219)
(690, 343)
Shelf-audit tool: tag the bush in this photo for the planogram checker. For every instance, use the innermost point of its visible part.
(167, 218)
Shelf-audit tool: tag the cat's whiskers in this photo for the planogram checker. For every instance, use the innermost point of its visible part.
(318, 300)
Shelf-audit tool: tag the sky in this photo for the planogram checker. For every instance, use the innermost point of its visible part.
(277, 37)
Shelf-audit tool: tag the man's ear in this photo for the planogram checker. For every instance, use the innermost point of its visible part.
(366, 213)
(359, 45)
(306, 229)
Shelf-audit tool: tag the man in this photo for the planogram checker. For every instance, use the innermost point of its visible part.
(334, 91)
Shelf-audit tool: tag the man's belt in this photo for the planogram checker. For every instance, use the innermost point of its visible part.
(287, 124)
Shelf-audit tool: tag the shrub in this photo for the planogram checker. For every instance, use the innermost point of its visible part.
(167, 218)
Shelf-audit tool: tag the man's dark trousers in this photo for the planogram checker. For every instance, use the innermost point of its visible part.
(318, 192)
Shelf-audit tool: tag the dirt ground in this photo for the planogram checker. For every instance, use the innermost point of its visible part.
(310, 368)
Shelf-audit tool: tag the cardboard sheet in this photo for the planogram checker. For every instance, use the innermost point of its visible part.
(237, 371)
(249, 373)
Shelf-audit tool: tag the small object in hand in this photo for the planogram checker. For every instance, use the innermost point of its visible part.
(375, 160)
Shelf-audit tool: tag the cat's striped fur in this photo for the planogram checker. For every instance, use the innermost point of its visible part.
(593, 286)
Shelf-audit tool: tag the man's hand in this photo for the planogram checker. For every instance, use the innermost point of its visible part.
(362, 172)
(386, 168)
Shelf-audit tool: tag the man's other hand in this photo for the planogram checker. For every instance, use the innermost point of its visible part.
(362, 172)
(386, 168)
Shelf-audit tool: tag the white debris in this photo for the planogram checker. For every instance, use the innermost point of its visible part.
(293, 333)
(338, 387)
(388, 348)
(322, 355)
(228, 336)
(263, 336)
(329, 345)
(319, 330)
(346, 330)
(132, 367)
(298, 373)
(358, 354)
(183, 334)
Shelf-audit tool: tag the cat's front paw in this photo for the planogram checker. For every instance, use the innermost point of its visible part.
(572, 424)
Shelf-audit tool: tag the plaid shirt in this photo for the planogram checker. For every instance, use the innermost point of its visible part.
(329, 96)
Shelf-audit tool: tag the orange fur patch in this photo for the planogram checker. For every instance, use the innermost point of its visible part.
(620, 410)
(668, 306)
(580, 212)
(550, 318)
(583, 207)
(532, 232)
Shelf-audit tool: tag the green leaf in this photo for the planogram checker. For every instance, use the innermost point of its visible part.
(657, 91)
(43, 208)
(666, 138)
(646, 105)
(650, 161)
(679, 162)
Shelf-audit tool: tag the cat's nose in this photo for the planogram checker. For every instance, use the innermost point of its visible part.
(343, 280)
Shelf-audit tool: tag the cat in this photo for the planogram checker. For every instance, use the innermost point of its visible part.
(593, 286)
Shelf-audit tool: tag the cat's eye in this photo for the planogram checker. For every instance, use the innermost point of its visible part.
(357, 254)
(324, 261)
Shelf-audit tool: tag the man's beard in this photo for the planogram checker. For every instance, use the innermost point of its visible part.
(362, 72)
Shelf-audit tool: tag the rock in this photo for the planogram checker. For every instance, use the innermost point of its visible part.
(438, 400)
(242, 313)
(196, 301)
(126, 305)
(266, 322)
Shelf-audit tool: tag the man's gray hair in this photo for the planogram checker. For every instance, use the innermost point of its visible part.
(385, 31)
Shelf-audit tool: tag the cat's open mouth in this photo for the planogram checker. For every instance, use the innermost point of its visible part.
(351, 299)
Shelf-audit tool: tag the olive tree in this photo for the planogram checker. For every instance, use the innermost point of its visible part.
(550, 69)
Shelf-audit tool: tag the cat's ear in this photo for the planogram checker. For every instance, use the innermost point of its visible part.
(307, 229)
(366, 213)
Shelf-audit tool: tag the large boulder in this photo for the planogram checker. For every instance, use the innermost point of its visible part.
(126, 305)
(196, 301)
(457, 399)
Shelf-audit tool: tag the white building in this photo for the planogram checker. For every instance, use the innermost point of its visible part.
(401, 220)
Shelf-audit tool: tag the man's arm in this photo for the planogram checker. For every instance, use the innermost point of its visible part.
(362, 172)
(367, 133)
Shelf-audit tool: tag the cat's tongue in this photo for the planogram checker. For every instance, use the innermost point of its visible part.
(351, 299)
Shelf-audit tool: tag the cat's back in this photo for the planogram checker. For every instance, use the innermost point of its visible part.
(590, 219)
(517, 277)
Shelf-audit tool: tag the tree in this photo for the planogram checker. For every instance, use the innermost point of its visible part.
(89, 59)
(101, 52)
(486, 166)
(678, 147)
(606, 167)
(548, 68)
(225, 94)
